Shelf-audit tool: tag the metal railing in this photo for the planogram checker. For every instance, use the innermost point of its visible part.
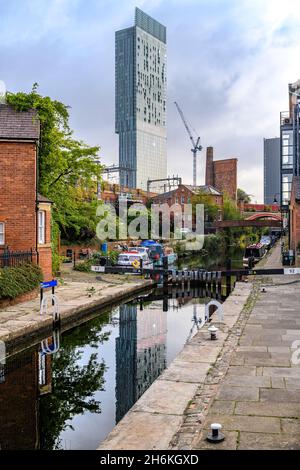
(10, 259)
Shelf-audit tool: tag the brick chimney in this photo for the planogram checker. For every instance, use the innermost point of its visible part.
(209, 174)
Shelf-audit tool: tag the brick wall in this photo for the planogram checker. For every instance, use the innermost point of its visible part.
(295, 220)
(17, 194)
(225, 176)
(18, 202)
(209, 174)
(221, 174)
(183, 195)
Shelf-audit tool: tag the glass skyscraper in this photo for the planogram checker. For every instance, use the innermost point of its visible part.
(271, 170)
(140, 102)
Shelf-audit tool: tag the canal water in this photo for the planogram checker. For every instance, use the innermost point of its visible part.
(72, 399)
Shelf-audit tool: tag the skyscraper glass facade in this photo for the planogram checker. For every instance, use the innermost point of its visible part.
(271, 170)
(141, 101)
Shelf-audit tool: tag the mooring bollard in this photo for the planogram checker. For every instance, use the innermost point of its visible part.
(215, 435)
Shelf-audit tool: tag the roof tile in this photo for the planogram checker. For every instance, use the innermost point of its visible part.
(18, 124)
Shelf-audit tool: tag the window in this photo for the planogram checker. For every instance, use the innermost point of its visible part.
(219, 215)
(182, 200)
(1, 233)
(42, 369)
(287, 149)
(41, 227)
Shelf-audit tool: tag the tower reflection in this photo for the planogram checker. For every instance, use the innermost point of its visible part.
(140, 352)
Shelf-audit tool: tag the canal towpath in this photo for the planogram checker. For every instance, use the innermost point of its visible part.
(78, 294)
(258, 400)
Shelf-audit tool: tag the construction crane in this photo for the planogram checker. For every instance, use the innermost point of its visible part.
(196, 144)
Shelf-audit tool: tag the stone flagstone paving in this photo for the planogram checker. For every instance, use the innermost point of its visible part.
(258, 402)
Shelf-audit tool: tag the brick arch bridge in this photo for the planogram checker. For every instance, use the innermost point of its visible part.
(264, 215)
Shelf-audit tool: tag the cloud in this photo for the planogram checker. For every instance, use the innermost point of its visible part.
(229, 63)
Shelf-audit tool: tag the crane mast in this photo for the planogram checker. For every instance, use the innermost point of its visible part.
(196, 144)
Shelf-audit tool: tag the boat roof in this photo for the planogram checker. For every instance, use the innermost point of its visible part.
(255, 245)
(130, 252)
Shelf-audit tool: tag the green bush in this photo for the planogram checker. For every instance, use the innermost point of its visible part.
(19, 280)
(85, 266)
(113, 257)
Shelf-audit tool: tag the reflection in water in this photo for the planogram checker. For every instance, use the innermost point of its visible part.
(140, 353)
(74, 383)
(20, 388)
(73, 397)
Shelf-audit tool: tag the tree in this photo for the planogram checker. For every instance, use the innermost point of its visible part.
(68, 169)
(73, 384)
(242, 196)
(230, 210)
(210, 207)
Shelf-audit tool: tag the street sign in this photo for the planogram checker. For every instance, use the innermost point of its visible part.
(46, 285)
(98, 269)
(291, 270)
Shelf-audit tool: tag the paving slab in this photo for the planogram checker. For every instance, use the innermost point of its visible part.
(267, 409)
(245, 423)
(142, 431)
(220, 407)
(292, 383)
(277, 382)
(242, 370)
(228, 392)
(293, 371)
(166, 397)
(279, 395)
(189, 372)
(247, 380)
(196, 354)
(254, 441)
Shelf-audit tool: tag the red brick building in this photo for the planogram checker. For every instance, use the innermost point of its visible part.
(184, 194)
(25, 216)
(295, 214)
(221, 174)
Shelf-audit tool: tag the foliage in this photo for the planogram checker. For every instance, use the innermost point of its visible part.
(74, 381)
(210, 207)
(56, 258)
(215, 244)
(113, 257)
(242, 196)
(298, 247)
(68, 168)
(19, 280)
(84, 266)
(230, 210)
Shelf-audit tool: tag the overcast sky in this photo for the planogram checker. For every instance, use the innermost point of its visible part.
(229, 64)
